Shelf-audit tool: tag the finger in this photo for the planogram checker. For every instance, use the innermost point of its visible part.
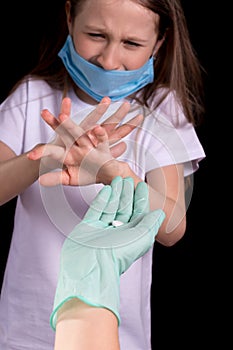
(138, 236)
(70, 131)
(118, 149)
(125, 129)
(131, 240)
(65, 110)
(65, 107)
(57, 177)
(98, 205)
(49, 150)
(146, 230)
(36, 153)
(63, 125)
(111, 209)
(58, 125)
(141, 200)
(100, 134)
(52, 179)
(125, 207)
(116, 117)
(50, 119)
(96, 137)
(93, 117)
(92, 138)
(139, 240)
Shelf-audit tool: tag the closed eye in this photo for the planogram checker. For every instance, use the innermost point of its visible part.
(131, 43)
(96, 35)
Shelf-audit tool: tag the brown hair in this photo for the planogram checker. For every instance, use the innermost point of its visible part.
(176, 67)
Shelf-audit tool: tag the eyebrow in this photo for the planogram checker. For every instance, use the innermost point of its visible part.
(103, 30)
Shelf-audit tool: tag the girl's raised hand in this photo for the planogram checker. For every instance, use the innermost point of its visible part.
(81, 150)
(70, 131)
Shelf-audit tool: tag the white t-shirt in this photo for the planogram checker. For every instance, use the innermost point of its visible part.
(45, 216)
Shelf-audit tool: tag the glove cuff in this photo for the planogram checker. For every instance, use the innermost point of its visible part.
(99, 288)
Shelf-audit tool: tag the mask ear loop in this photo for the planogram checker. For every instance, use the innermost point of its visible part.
(154, 53)
(157, 46)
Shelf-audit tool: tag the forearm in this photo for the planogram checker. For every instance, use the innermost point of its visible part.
(174, 224)
(115, 168)
(166, 186)
(82, 327)
(16, 174)
(78, 325)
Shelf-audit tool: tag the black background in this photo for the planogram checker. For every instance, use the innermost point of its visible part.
(184, 276)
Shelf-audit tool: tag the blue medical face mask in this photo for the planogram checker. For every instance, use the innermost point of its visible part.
(98, 82)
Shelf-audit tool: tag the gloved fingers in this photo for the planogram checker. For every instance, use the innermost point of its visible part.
(125, 207)
(139, 232)
(141, 200)
(98, 205)
(111, 208)
(138, 240)
(149, 224)
(133, 236)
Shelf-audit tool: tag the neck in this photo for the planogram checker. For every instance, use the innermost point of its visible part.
(84, 96)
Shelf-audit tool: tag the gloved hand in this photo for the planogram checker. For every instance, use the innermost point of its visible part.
(98, 251)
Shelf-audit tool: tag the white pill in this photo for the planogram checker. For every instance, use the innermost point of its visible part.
(117, 223)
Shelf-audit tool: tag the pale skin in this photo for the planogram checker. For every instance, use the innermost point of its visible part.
(112, 34)
(83, 327)
(19, 172)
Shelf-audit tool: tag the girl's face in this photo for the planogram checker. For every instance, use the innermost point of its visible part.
(114, 34)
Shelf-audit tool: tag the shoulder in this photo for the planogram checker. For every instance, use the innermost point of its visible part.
(170, 109)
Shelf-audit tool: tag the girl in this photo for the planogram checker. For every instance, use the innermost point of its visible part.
(137, 55)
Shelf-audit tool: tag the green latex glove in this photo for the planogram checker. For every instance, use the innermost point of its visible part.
(96, 253)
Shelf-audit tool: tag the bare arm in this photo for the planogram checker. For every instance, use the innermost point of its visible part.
(19, 172)
(167, 192)
(99, 166)
(82, 150)
(16, 173)
(166, 186)
(77, 325)
(83, 327)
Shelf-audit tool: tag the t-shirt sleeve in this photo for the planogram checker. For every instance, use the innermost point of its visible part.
(169, 145)
(172, 139)
(21, 125)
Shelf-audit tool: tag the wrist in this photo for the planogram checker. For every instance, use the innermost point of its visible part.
(111, 169)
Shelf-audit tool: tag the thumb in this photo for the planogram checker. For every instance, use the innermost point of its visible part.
(141, 240)
(151, 222)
